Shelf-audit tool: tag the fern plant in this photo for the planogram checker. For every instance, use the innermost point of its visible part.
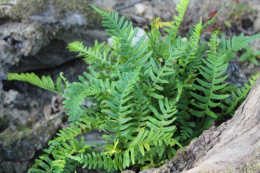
(250, 55)
(151, 97)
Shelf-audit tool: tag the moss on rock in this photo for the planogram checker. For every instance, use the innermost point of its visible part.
(21, 143)
(4, 122)
(25, 8)
(58, 9)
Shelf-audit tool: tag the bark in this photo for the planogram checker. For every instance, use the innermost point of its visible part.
(234, 146)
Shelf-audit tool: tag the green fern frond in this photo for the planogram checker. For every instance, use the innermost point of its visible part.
(60, 157)
(186, 129)
(45, 82)
(213, 44)
(83, 125)
(162, 121)
(99, 160)
(236, 43)
(75, 94)
(117, 27)
(63, 145)
(191, 61)
(136, 61)
(99, 54)
(207, 96)
(92, 160)
(197, 32)
(181, 9)
(184, 116)
(162, 70)
(118, 106)
(238, 96)
(158, 72)
(122, 31)
(148, 141)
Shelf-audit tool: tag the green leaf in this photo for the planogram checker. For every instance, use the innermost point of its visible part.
(44, 82)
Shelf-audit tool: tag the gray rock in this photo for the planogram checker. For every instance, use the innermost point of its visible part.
(32, 32)
(18, 110)
(19, 145)
(257, 20)
(235, 78)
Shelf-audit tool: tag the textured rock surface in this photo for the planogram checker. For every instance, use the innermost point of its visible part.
(33, 32)
(18, 145)
(23, 130)
(257, 21)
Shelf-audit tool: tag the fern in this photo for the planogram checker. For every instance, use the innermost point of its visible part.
(44, 82)
(208, 86)
(163, 121)
(65, 144)
(237, 96)
(99, 54)
(122, 33)
(236, 43)
(184, 117)
(250, 55)
(118, 107)
(181, 9)
(150, 98)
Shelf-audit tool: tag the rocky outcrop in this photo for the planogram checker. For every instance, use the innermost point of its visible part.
(23, 130)
(19, 145)
(34, 33)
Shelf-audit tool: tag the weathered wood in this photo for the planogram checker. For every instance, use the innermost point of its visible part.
(234, 146)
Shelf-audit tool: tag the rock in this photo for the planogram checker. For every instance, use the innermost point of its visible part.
(256, 7)
(23, 130)
(33, 32)
(235, 78)
(257, 25)
(128, 171)
(16, 109)
(18, 146)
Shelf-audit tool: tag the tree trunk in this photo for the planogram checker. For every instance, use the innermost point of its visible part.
(234, 146)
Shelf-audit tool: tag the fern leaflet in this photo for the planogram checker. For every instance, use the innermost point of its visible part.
(44, 82)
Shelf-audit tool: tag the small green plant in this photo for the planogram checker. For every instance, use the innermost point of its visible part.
(250, 55)
(150, 97)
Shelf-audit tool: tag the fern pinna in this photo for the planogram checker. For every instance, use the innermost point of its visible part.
(150, 97)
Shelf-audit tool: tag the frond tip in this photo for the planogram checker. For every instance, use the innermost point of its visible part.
(45, 82)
